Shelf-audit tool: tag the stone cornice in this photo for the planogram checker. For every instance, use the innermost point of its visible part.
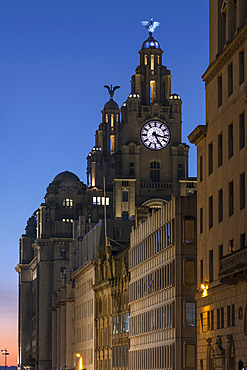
(221, 60)
(198, 134)
(82, 269)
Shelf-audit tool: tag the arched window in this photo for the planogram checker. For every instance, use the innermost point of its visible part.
(155, 171)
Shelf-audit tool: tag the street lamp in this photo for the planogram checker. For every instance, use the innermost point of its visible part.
(5, 353)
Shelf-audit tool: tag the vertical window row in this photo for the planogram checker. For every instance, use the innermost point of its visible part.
(157, 242)
(158, 319)
(120, 356)
(159, 279)
(161, 357)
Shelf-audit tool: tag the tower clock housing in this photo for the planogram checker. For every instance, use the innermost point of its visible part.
(139, 151)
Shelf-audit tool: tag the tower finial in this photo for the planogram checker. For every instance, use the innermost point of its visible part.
(150, 26)
(111, 90)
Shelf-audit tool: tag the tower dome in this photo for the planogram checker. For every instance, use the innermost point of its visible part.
(111, 104)
(66, 179)
(150, 43)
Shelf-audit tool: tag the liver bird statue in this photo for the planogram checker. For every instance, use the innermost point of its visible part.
(111, 90)
(150, 26)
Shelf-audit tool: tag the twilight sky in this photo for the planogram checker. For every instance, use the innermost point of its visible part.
(56, 56)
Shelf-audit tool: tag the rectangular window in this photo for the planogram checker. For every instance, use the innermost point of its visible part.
(242, 190)
(189, 272)
(228, 316)
(242, 240)
(222, 317)
(241, 67)
(127, 322)
(200, 168)
(190, 314)
(210, 158)
(219, 91)
(131, 169)
(212, 319)
(125, 196)
(201, 272)
(231, 198)
(231, 246)
(201, 322)
(152, 62)
(220, 205)
(220, 251)
(201, 220)
(230, 140)
(230, 79)
(189, 231)
(62, 253)
(220, 150)
(152, 91)
(98, 201)
(218, 318)
(94, 200)
(125, 215)
(190, 355)
(241, 131)
(233, 315)
(201, 364)
(211, 266)
(208, 321)
(210, 212)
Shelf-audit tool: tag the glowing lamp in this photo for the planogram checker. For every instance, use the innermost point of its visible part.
(204, 287)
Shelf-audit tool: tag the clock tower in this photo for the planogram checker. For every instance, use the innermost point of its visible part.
(141, 142)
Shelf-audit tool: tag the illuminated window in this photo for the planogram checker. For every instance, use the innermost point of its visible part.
(231, 246)
(112, 120)
(101, 201)
(145, 60)
(152, 91)
(106, 118)
(68, 203)
(152, 62)
(94, 200)
(98, 201)
(116, 117)
(112, 143)
(158, 59)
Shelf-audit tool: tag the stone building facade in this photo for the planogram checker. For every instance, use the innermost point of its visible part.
(138, 151)
(162, 303)
(221, 202)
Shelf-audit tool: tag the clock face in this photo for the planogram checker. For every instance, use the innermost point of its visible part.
(155, 135)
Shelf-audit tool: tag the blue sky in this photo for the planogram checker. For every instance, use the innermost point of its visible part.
(56, 56)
